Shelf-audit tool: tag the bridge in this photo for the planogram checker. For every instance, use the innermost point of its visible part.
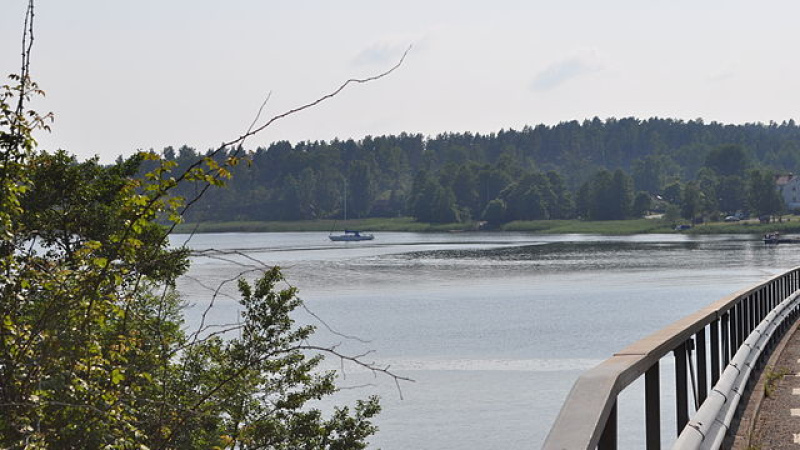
(718, 354)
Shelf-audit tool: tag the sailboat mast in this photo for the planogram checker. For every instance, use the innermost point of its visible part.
(345, 200)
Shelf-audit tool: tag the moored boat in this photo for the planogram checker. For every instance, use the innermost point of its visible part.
(350, 236)
(776, 238)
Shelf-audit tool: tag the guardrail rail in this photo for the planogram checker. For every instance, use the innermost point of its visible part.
(721, 347)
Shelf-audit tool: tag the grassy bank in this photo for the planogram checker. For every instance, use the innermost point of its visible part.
(610, 227)
(791, 226)
(614, 227)
(373, 224)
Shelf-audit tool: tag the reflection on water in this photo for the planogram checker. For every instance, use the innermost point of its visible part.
(494, 328)
(576, 256)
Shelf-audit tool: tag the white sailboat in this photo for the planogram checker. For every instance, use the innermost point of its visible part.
(349, 235)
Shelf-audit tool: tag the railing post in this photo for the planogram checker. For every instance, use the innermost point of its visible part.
(740, 331)
(652, 407)
(773, 296)
(608, 440)
(702, 380)
(768, 298)
(733, 326)
(714, 331)
(681, 388)
(783, 288)
(785, 284)
(748, 315)
(726, 339)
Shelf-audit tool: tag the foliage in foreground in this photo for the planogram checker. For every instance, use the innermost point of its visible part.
(92, 351)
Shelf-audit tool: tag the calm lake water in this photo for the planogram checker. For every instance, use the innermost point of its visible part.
(493, 327)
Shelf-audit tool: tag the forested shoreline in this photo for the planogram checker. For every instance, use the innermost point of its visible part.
(596, 169)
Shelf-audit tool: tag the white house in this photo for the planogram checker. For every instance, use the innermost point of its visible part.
(789, 187)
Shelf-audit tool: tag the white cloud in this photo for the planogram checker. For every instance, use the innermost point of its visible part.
(562, 71)
(723, 75)
(389, 50)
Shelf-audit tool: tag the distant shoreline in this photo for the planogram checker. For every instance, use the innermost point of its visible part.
(789, 225)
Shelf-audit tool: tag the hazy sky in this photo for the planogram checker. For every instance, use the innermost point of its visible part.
(144, 74)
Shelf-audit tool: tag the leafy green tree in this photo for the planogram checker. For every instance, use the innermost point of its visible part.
(307, 184)
(329, 191)
(524, 202)
(465, 188)
(622, 193)
(671, 215)
(732, 193)
(298, 199)
(361, 188)
(564, 205)
(728, 160)
(692, 202)
(443, 206)
(529, 199)
(673, 192)
(583, 200)
(641, 204)
(432, 202)
(648, 173)
(708, 183)
(602, 202)
(608, 196)
(490, 182)
(92, 349)
(422, 187)
(762, 194)
(495, 212)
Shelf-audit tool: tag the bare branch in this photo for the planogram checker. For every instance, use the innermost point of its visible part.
(258, 114)
(330, 329)
(194, 336)
(27, 46)
(372, 367)
(319, 100)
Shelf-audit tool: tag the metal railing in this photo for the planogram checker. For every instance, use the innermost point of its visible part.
(721, 344)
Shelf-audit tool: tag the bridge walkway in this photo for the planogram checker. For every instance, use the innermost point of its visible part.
(771, 420)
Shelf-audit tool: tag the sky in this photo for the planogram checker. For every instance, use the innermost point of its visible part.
(123, 76)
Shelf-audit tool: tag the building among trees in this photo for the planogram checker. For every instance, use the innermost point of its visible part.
(789, 188)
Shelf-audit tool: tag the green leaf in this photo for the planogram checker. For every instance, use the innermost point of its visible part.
(116, 376)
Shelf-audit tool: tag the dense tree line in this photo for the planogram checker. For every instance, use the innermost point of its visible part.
(592, 169)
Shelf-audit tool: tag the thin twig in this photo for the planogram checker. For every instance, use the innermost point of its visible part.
(319, 100)
(356, 360)
(330, 329)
